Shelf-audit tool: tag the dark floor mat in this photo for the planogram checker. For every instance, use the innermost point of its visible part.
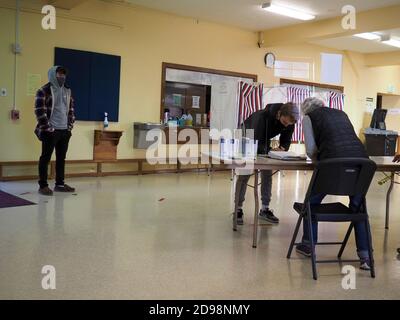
(8, 201)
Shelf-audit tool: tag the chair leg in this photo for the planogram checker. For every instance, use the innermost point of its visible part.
(314, 264)
(256, 209)
(296, 231)
(370, 253)
(236, 202)
(346, 239)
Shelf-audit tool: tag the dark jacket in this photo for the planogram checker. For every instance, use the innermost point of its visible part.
(266, 126)
(334, 135)
(44, 106)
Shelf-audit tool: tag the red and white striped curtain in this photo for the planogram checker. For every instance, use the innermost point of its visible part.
(297, 96)
(336, 100)
(250, 100)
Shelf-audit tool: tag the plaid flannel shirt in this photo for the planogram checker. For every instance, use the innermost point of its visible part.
(44, 107)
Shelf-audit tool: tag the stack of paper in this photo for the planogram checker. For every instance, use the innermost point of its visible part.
(286, 155)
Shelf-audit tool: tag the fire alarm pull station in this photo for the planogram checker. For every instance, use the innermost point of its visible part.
(15, 115)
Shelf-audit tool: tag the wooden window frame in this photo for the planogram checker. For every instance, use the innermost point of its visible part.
(167, 65)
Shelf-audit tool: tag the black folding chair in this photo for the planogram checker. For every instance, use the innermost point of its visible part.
(341, 177)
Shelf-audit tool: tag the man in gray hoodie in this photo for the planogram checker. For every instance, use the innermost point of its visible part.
(54, 110)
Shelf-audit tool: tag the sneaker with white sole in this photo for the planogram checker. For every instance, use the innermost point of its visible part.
(268, 215)
(64, 188)
(304, 250)
(240, 214)
(365, 264)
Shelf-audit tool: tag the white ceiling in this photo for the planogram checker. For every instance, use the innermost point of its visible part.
(248, 14)
(360, 45)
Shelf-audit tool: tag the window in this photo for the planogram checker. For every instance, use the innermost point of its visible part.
(331, 68)
(292, 69)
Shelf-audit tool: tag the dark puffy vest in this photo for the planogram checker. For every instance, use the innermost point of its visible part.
(334, 135)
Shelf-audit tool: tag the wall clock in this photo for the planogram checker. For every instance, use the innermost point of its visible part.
(269, 60)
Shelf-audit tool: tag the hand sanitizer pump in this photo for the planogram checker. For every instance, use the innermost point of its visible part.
(105, 123)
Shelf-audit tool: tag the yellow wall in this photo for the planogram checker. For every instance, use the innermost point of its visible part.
(377, 79)
(352, 62)
(146, 40)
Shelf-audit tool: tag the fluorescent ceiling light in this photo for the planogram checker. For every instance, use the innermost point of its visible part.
(392, 42)
(368, 36)
(285, 11)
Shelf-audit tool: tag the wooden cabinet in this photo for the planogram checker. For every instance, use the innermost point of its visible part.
(105, 144)
(174, 131)
(186, 97)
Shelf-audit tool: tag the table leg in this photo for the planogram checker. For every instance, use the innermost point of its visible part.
(388, 200)
(236, 200)
(256, 209)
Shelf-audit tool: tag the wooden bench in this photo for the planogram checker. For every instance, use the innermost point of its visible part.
(99, 172)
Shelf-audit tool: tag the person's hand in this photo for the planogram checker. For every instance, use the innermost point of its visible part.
(396, 158)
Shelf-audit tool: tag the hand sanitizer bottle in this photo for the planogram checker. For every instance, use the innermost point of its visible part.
(105, 123)
(222, 152)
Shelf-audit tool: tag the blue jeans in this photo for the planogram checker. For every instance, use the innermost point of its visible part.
(360, 230)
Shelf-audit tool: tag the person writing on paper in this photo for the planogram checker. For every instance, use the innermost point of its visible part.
(328, 133)
(275, 119)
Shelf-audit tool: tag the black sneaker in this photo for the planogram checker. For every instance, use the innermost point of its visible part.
(64, 188)
(398, 250)
(304, 250)
(268, 215)
(239, 217)
(46, 191)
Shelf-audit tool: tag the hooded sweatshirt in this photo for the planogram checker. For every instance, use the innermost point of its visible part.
(59, 114)
(44, 105)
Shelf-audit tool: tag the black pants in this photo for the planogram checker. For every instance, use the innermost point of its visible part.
(58, 140)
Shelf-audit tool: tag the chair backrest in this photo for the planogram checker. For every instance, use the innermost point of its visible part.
(342, 177)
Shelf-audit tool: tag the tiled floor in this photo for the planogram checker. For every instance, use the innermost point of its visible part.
(170, 237)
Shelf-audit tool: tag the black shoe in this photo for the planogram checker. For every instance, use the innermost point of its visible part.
(239, 217)
(268, 215)
(304, 250)
(398, 250)
(46, 191)
(64, 188)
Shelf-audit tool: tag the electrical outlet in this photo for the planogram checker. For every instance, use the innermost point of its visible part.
(15, 115)
(3, 92)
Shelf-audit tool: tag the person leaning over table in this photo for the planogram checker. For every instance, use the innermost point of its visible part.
(275, 119)
(328, 133)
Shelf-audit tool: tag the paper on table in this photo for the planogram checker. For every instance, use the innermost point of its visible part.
(286, 155)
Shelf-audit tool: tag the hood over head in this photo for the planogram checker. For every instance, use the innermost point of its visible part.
(52, 75)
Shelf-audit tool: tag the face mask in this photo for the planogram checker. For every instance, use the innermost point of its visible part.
(61, 80)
